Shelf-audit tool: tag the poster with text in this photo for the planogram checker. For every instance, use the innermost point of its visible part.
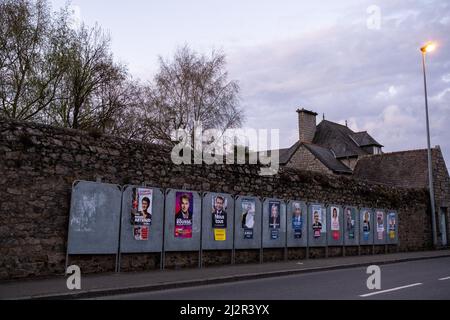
(184, 209)
(141, 212)
(248, 207)
(318, 223)
(366, 225)
(392, 225)
(350, 217)
(297, 220)
(219, 212)
(335, 224)
(380, 225)
(274, 215)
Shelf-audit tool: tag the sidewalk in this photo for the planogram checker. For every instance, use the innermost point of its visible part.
(111, 283)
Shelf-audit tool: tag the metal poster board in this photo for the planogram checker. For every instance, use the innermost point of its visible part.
(94, 218)
(392, 227)
(247, 222)
(142, 219)
(379, 228)
(217, 221)
(366, 226)
(351, 226)
(317, 225)
(335, 227)
(274, 223)
(182, 224)
(297, 224)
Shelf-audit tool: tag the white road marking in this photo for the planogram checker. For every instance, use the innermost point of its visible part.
(447, 278)
(389, 290)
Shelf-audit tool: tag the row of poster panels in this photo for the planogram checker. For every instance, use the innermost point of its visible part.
(213, 221)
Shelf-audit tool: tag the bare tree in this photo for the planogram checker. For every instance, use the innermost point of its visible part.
(30, 67)
(91, 83)
(189, 88)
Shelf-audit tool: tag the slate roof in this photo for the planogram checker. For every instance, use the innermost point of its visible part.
(363, 139)
(327, 157)
(407, 169)
(342, 140)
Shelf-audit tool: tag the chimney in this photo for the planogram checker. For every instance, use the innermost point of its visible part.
(306, 125)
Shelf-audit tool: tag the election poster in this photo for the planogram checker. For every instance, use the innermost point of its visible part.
(219, 212)
(141, 212)
(274, 215)
(380, 225)
(318, 225)
(366, 225)
(335, 224)
(350, 217)
(392, 225)
(248, 207)
(184, 210)
(297, 220)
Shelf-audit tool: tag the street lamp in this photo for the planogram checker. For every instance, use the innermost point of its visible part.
(429, 47)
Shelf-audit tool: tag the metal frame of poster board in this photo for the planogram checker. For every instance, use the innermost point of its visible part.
(390, 241)
(376, 240)
(355, 240)
(154, 243)
(94, 220)
(291, 241)
(239, 241)
(362, 239)
(267, 241)
(331, 241)
(173, 243)
(317, 241)
(208, 238)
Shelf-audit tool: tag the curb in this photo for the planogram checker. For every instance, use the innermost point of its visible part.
(216, 280)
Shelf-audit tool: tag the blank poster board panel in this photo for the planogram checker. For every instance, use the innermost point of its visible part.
(211, 239)
(242, 232)
(335, 228)
(131, 233)
(351, 226)
(297, 235)
(366, 226)
(274, 229)
(94, 218)
(317, 225)
(186, 237)
(392, 227)
(379, 229)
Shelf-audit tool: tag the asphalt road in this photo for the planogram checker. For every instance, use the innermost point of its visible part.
(424, 279)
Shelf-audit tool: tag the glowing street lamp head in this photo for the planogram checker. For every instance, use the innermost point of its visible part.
(430, 46)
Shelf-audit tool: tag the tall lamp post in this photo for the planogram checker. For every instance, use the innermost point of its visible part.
(425, 49)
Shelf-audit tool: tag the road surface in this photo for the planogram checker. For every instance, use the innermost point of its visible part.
(424, 279)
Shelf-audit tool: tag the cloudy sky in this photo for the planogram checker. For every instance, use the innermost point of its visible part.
(350, 60)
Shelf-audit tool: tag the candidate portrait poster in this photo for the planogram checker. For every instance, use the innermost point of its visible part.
(219, 212)
(350, 217)
(184, 210)
(392, 225)
(318, 222)
(274, 215)
(248, 209)
(141, 212)
(366, 225)
(335, 224)
(219, 217)
(297, 219)
(380, 225)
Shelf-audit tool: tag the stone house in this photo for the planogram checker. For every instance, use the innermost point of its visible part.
(328, 147)
(333, 148)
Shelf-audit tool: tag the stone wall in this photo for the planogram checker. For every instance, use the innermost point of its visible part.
(38, 165)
